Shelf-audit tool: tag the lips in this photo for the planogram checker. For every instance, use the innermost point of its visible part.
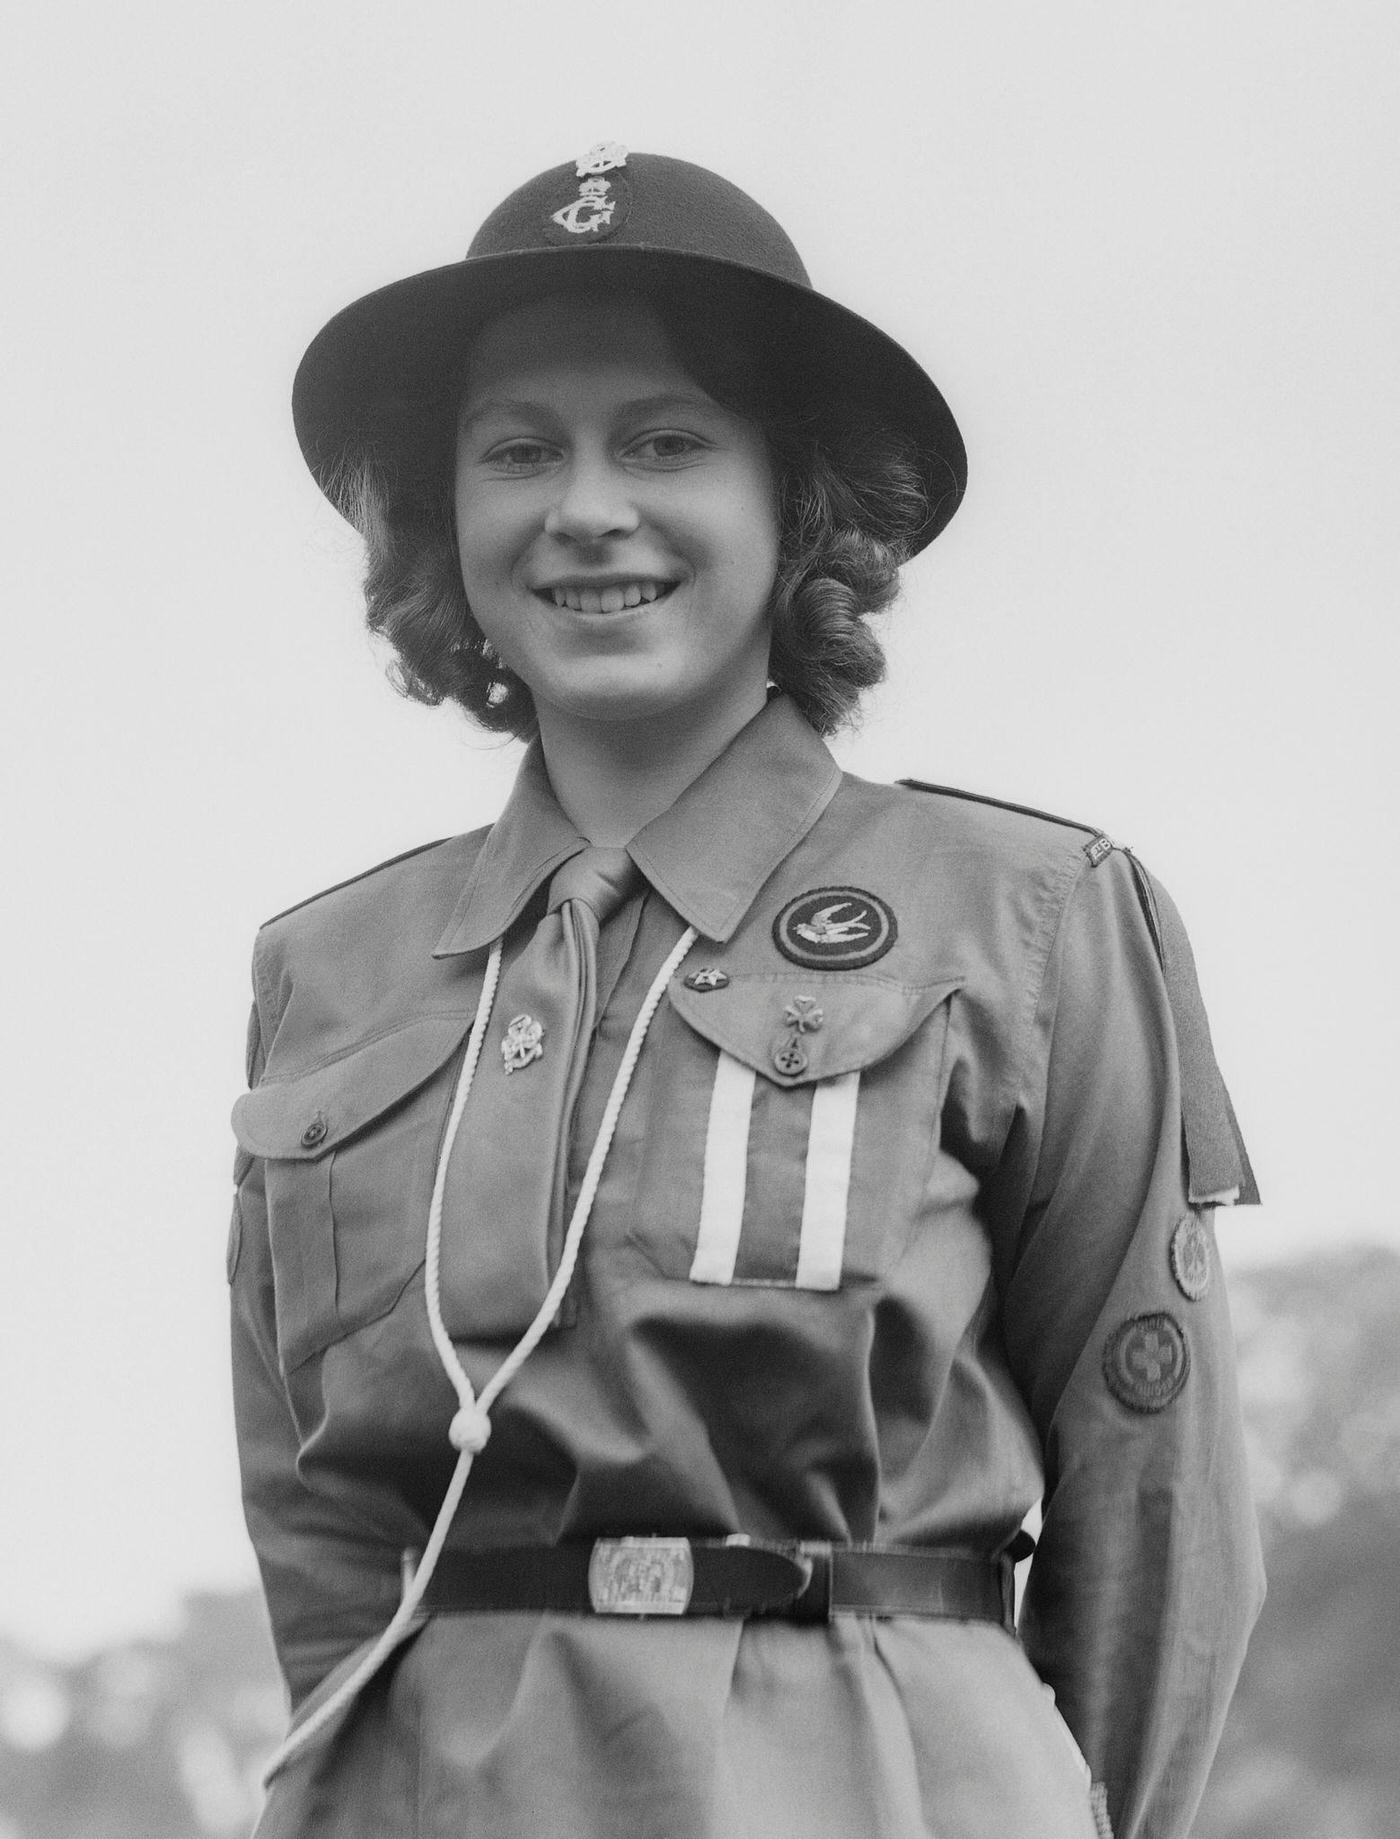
(612, 596)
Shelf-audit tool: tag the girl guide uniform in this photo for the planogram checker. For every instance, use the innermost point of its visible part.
(671, 1485)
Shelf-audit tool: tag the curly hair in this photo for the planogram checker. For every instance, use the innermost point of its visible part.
(850, 499)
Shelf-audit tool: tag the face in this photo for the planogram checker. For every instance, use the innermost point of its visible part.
(617, 528)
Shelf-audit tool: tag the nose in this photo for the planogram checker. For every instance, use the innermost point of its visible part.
(593, 502)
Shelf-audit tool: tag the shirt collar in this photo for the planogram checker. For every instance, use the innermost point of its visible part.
(707, 856)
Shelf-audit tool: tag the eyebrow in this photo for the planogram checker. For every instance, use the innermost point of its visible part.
(524, 409)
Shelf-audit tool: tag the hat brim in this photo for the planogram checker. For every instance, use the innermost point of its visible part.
(378, 381)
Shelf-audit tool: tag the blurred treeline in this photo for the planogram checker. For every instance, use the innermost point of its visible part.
(164, 1739)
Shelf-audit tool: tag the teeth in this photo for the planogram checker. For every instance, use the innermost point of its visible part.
(609, 599)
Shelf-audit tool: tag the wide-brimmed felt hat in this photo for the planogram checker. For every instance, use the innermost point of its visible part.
(375, 382)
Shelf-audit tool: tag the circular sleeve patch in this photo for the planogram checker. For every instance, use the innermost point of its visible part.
(835, 929)
(1146, 1360)
(1190, 1257)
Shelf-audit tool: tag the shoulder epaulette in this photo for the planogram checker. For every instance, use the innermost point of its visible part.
(1098, 846)
(364, 875)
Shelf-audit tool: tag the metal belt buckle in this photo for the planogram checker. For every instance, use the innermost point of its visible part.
(640, 1577)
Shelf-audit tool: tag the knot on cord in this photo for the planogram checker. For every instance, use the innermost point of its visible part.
(470, 1429)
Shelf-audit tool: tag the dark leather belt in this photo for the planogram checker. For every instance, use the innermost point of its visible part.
(802, 1582)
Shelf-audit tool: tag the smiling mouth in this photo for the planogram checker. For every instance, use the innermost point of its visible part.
(611, 597)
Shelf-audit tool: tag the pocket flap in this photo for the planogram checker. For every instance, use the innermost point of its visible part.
(840, 1022)
(303, 1116)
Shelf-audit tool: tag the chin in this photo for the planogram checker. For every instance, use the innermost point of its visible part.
(622, 703)
(617, 703)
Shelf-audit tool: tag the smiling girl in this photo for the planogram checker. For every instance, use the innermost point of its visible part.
(617, 530)
(683, 1230)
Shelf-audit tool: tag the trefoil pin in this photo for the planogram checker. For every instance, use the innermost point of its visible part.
(522, 1043)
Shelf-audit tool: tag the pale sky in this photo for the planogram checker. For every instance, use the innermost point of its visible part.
(1150, 254)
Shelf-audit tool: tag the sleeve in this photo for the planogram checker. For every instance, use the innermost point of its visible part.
(326, 1588)
(1147, 1577)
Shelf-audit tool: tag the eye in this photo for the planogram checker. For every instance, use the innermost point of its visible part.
(666, 447)
(520, 456)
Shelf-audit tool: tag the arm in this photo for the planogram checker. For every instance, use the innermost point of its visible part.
(326, 1588)
(1147, 1578)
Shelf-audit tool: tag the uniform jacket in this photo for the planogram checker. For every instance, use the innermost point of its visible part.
(1003, 1292)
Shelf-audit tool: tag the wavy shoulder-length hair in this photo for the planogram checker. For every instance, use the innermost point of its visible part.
(850, 499)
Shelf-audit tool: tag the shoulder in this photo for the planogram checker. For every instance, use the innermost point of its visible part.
(416, 889)
(1126, 932)
(1073, 861)
(1125, 918)
(1016, 830)
(976, 885)
(963, 853)
(354, 881)
(358, 957)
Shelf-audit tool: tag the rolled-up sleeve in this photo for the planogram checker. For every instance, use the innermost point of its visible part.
(1147, 1577)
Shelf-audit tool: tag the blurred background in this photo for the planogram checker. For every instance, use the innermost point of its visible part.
(1151, 256)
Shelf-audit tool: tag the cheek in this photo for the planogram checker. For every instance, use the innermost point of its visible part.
(464, 527)
(738, 531)
(484, 585)
(763, 535)
(756, 545)
(483, 545)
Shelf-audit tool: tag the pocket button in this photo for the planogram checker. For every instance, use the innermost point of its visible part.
(314, 1133)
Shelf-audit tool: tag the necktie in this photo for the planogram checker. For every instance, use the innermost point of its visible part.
(504, 1201)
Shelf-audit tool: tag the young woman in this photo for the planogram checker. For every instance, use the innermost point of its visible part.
(683, 1230)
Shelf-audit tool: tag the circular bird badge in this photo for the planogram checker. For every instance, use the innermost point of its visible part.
(1146, 1360)
(835, 929)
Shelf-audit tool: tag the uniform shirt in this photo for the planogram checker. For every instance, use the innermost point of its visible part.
(978, 1302)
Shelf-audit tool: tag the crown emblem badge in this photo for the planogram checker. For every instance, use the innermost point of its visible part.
(589, 213)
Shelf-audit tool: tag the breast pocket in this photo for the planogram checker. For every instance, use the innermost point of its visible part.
(791, 1123)
(349, 1150)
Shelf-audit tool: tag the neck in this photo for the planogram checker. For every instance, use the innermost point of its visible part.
(612, 778)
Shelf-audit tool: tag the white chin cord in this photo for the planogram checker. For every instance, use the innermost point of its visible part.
(471, 1425)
